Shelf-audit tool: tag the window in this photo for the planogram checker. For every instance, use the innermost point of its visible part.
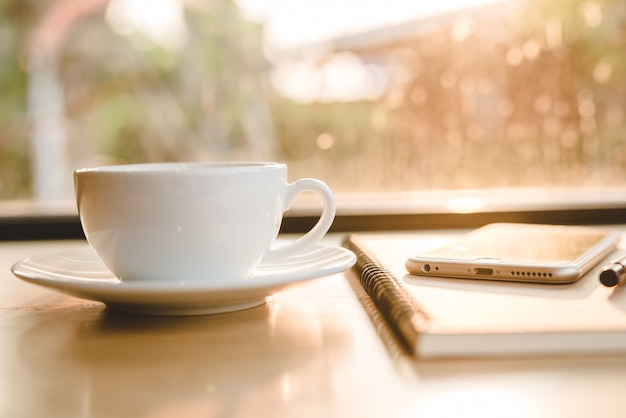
(372, 97)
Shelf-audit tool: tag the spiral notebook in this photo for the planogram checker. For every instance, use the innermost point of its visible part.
(440, 317)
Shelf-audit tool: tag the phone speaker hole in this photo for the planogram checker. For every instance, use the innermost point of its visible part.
(530, 274)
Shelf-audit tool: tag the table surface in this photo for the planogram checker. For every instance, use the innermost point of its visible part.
(314, 350)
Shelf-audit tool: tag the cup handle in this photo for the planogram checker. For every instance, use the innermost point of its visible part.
(321, 227)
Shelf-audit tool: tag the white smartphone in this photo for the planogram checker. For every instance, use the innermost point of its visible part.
(518, 252)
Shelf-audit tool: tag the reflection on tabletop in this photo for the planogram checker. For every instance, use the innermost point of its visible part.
(312, 350)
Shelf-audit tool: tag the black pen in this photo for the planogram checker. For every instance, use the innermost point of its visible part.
(615, 273)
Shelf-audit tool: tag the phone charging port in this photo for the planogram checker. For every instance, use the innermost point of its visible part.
(483, 271)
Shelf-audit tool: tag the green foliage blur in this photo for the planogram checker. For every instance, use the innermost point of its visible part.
(15, 19)
(535, 96)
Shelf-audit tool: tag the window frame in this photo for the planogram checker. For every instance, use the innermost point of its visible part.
(417, 210)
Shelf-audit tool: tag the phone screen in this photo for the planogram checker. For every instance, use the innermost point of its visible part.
(518, 252)
(523, 243)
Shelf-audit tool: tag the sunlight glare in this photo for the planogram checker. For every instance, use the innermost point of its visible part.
(310, 75)
(161, 21)
(465, 204)
(342, 78)
(479, 403)
(291, 24)
(324, 141)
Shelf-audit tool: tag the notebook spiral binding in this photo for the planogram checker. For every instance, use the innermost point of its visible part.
(397, 306)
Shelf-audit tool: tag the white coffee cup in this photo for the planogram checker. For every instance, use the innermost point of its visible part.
(191, 221)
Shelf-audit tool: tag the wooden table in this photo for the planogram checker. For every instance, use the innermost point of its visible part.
(315, 350)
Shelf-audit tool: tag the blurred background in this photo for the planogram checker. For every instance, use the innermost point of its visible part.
(369, 96)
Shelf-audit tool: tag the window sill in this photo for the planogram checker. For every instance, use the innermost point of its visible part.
(377, 212)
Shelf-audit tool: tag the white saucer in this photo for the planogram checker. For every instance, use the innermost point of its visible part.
(82, 274)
